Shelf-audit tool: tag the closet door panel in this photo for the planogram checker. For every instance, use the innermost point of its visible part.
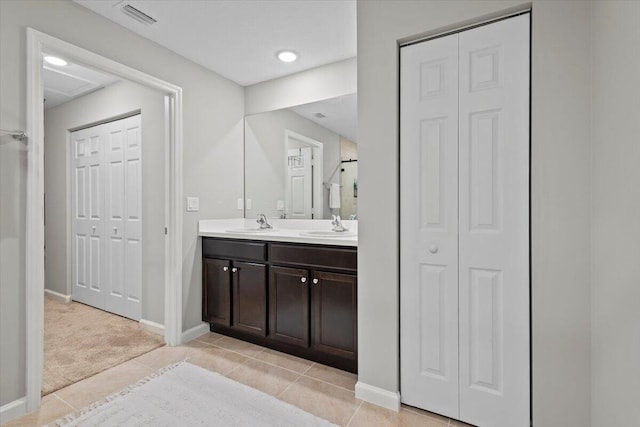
(429, 225)
(494, 224)
(87, 199)
(124, 187)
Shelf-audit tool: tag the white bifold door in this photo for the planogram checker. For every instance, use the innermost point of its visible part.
(464, 253)
(106, 189)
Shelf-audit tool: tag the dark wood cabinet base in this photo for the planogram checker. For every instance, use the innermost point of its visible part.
(294, 298)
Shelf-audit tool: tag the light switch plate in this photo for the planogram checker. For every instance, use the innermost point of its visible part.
(248, 204)
(280, 205)
(240, 204)
(193, 204)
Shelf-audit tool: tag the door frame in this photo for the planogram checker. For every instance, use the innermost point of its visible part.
(37, 42)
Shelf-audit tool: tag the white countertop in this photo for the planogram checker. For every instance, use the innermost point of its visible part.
(285, 230)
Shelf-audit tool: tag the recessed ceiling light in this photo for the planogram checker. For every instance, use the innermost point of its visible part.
(54, 60)
(287, 56)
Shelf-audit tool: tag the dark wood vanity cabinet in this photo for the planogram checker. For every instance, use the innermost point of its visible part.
(289, 306)
(296, 298)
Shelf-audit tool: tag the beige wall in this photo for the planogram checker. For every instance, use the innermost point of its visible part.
(112, 101)
(616, 214)
(213, 155)
(560, 192)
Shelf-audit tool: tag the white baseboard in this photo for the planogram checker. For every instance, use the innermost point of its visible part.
(153, 327)
(378, 396)
(194, 332)
(13, 410)
(58, 296)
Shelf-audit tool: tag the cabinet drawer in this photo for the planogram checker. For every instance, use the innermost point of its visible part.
(218, 248)
(338, 258)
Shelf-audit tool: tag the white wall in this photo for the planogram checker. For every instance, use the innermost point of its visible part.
(316, 84)
(560, 192)
(213, 154)
(112, 101)
(615, 252)
(265, 174)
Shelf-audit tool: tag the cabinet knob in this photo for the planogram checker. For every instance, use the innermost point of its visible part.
(234, 270)
(433, 249)
(303, 279)
(93, 229)
(225, 268)
(315, 281)
(115, 230)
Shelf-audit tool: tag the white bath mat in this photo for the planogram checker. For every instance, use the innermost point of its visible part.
(187, 395)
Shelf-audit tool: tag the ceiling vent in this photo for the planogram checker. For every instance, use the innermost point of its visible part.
(138, 15)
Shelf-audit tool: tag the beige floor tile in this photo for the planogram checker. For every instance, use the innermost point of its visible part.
(284, 360)
(238, 346)
(51, 409)
(216, 359)
(167, 355)
(210, 337)
(332, 403)
(264, 377)
(456, 423)
(334, 376)
(369, 415)
(103, 384)
(425, 413)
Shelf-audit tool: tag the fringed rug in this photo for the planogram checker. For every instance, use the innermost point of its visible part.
(187, 395)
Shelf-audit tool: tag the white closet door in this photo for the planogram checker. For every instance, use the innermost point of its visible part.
(123, 201)
(429, 225)
(87, 201)
(494, 224)
(107, 224)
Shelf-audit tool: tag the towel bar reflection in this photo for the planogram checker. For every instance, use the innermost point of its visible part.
(18, 135)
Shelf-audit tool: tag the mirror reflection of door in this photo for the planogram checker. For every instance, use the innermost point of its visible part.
(299, 183)
(303, 186)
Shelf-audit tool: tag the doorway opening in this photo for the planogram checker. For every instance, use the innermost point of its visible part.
(169, 144)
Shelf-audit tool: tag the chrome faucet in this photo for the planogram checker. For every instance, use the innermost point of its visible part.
(262, 220)
(337, 224)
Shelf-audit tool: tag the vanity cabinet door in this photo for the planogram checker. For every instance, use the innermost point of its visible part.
(216, 291)
(335, 314)
(249, 297)
(289, 305)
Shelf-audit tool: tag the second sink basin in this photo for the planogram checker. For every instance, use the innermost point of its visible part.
(323, 233)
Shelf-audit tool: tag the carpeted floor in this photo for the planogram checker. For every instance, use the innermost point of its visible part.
(81, 341)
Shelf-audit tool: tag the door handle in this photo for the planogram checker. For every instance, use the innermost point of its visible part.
(303, 279)
(225, 268)
(93, 229)
(315, 281)
(115, 230)
(234, 270)
(433, 249)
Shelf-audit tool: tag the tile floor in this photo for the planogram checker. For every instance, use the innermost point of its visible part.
(315, 388)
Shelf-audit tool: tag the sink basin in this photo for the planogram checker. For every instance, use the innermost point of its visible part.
(250, 230)
(323, 233)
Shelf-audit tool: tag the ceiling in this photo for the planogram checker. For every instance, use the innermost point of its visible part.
(239, 39)
(340, 114)
(64, 83)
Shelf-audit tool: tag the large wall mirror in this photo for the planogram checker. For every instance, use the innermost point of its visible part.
(302, 162)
